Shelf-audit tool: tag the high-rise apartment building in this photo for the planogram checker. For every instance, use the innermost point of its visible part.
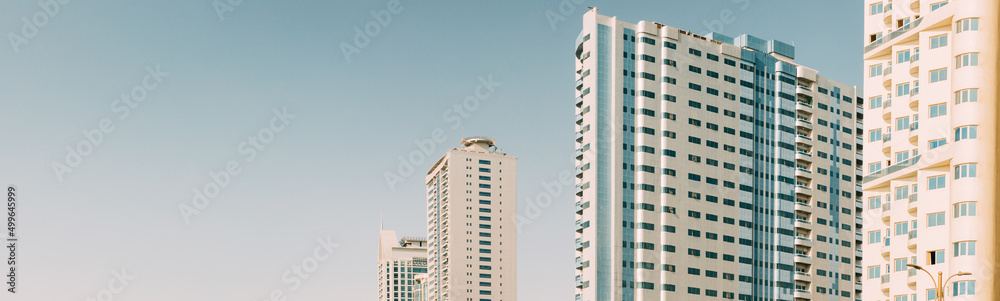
(711, 168)
(931, 149)
(400, 262)
(471, 224)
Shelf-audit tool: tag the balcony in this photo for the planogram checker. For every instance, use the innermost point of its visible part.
(579, 84)
(802, 155)
(886, 211)
(802, 189)
(887, 110)
(804, 224)
(579, 137)
(802, 294)
(803, 90)
(885, 283)
(804, 173)
(911, 276)
(914, 133)
(887, 15)
(803, 106)
(578, 154)
(911, 239)
(914, 102)
(579, 208)
(802, 241)
(802, 258)
(894, 34)
(579, 102)
(915, 6)
(914, 66)
(803, 207)
(803, 123)
(579, 172)
(800, 276)
(892, 168)
(803, 139)
(579, 119)
(885, 247)
(912, 206)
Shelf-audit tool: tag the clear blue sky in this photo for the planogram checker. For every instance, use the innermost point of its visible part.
(323, 174)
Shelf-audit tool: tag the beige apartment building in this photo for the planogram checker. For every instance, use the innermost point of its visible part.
(930, 148)
(471, 224)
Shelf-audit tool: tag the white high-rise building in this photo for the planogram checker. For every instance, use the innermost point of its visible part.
(400, 262)
(471, 224)
(711, 167)
(931, 148)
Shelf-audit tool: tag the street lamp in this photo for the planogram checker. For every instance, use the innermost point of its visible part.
(938, 285)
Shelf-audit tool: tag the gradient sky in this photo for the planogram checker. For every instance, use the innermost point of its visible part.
(323, 175)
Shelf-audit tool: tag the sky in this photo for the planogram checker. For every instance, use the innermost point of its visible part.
(228, 149)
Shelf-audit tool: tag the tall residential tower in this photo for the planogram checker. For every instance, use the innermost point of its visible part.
(400, 262)
(931, 148)
(471, 224)
(711, 167)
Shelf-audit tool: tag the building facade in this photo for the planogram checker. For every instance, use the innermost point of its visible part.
(400, 262)
(711, 167)
(471, 224)
(930, 151)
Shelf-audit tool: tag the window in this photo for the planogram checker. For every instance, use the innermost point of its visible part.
(900, 264)
(871, 168)
(874, 272)
(903, 123)
(936, 182)
(967, 95)
(903, 56)
(967, 60)
(938, 5)
(966, 132)
(875, 203)
(939, 110)
(970, 24)
(694, 69)
(694, 52)
(939, 41)
(937, 143)
(935, 257)
(965, 209)
(484, 162)
(902, 228)
(963, 288)
(964, 248)
(875, 9)
(875, 102)
(875, 237)
(875, 70)
(903, 89)
(939, 75)
(935, 219)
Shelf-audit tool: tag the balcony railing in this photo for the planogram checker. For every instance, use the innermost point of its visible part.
(893, 34)
(912, 234)
(885, 278)
(886, 206)
(892, 168)
(886, 137)
(913, 126)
